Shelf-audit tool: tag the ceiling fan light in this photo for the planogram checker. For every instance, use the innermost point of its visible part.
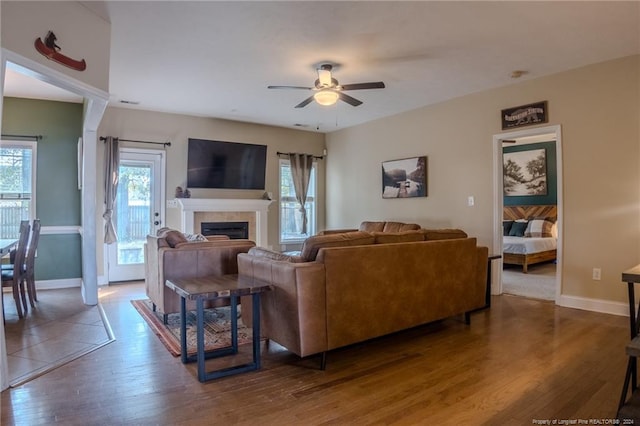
(326, 97)
(324, 77)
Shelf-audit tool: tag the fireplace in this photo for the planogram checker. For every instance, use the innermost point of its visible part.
(234, 230)
(253, 211)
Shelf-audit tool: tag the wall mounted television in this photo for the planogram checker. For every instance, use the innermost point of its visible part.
(226, 165)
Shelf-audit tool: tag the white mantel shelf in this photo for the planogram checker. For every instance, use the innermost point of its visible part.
(189, 206)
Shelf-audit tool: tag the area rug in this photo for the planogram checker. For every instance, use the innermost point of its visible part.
(217, 328)
(538, 283)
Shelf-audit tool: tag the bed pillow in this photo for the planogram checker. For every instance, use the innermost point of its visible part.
(506, 227)
(539, 228)
(518, 229)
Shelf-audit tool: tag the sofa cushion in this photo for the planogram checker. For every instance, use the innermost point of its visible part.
(174, 238)
(163, 231)
(367, 226)
(400, 227)
(273, 255)
(381, 226)
(443, 234)
(216, 237)
(398, 237)
(313, 244)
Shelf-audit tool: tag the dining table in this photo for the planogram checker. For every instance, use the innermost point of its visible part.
(6, 245)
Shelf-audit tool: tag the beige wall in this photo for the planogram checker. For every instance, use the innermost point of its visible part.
(155, 126)
(598, 108)
(80, 33)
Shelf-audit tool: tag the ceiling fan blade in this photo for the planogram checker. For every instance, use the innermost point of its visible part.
(360, 86)
(305, 102)
(348, 99)
(289, 87)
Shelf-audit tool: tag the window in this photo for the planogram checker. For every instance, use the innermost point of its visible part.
(290, 216)
(17, 183)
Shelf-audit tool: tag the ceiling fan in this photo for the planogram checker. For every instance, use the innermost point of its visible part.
(328, 90)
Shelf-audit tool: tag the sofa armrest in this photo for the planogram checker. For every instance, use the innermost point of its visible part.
(294, 313)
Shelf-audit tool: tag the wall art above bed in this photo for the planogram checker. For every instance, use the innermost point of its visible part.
(538, 186)
(525, 172)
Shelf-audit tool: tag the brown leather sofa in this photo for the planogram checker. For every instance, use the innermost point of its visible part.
(170, 255)
(350, 287)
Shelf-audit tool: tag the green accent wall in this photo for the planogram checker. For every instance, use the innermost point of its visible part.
(58, 257)
(57, 194)
(552, 177)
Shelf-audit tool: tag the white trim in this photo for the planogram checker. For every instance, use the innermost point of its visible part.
(54, 284)
(59, 230)
(54, 77)
(95, 103)
(33, 146)
(496, 287)
(594, 305)
(189, 206)
(58, 284)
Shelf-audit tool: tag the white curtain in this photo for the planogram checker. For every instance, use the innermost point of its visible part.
(301, 165)
(111, 166)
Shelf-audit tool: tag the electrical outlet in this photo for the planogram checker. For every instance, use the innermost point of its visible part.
(172, 204)
(596, 274)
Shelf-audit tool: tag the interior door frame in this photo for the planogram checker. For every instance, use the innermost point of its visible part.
(95, 103)
(556, 130)
(162, 191)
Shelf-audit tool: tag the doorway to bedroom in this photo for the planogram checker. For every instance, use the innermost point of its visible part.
(528, 213)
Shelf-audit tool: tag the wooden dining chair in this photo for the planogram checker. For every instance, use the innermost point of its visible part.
(30, 261)
(14, 277)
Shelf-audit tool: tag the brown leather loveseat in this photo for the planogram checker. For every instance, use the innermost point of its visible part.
(353, 286)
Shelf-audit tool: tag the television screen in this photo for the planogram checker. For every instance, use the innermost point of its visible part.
(228, 165)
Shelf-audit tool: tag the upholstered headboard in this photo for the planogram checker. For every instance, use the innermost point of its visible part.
(527, 212)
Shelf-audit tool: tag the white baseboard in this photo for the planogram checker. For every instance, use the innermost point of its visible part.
(595, 305)
(57, 284)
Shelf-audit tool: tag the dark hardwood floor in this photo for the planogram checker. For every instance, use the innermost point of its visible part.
(520, 361)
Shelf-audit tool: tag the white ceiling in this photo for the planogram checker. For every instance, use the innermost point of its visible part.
(216, 59)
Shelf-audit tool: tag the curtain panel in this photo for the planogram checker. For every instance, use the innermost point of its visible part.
(111, 167)
(301, 165)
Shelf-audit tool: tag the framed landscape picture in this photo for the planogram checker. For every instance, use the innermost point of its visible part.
(404, 178)
(525, 173)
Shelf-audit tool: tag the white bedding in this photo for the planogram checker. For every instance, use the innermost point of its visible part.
(522, 245)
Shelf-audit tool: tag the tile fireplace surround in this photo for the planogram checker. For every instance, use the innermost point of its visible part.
(193, 211)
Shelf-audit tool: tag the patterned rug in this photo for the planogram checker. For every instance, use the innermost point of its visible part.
(217, 328)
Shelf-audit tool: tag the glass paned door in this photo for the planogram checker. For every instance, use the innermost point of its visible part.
(137, 212)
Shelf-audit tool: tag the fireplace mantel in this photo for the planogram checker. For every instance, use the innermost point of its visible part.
(190, 206)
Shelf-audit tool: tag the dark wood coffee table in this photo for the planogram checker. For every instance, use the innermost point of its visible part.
(220, 287)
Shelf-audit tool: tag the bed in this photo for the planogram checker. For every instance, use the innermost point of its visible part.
(535, 240)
